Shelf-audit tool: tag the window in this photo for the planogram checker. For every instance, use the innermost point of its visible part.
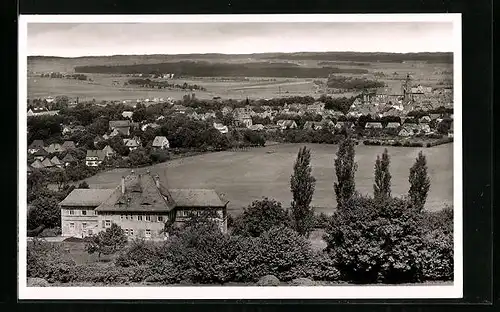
(90, 232)
(148, 218)
(95, 212)
(139, 218)
(84, 212)
(148, 233)
(84, 224)
(71, 212)
(72, 226)
(160, 218)
(131, 231)
(121, 217)
(108, 223)
(126, 217)
(126, 231)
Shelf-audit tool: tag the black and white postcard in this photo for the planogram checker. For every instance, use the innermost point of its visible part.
(240, 156)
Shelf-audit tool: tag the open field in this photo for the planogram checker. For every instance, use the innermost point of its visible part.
(241, 177)
(102, 88)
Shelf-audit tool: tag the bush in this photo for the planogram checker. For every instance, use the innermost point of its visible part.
(437, 256)
(138, 253)
(53, 232)
(321, 220)
(48, 261)
(37, 282)
(260, 217)
(268, 280)
(376, 241)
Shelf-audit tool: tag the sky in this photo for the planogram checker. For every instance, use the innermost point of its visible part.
(95, 39)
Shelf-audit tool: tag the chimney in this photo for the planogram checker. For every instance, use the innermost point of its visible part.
(123, 185)
(157, 181)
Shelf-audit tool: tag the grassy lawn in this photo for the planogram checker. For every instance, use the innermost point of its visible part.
(243, 176)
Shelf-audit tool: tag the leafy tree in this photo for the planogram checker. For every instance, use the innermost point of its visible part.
(302, 185)
(419, 182)
(60, 177)
(139, 158)
(99, 126)
(345, 168)
(382, 186)
(117, 145)
(107, 242)
(261, 216)
(376, 240)
(44, 210)
(83, 185)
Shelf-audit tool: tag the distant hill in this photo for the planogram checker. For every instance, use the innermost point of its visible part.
(63, 64)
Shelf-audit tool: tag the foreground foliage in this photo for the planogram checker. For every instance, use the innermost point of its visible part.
(385, 241)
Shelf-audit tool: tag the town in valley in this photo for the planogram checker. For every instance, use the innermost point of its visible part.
(270, 169)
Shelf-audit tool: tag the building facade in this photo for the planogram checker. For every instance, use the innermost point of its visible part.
(140, 205)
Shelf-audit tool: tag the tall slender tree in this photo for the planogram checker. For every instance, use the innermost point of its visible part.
(419, 182)
(345, 169)
(302, 185)
(382, 185)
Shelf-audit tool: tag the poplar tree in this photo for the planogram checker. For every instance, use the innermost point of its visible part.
(419, 182)
(302, 185)
(382, 185)
(345, 169)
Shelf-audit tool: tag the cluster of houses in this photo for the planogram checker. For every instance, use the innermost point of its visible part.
(41, 111)
(95, 157)
(41, 154)
(364, 106)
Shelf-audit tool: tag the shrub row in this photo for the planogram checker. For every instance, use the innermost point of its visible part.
(394, 143)
(202, 254)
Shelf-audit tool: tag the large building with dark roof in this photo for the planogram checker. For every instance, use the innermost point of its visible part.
(140, 205)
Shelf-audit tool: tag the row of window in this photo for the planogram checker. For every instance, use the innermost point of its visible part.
(83, 212)
(143, 217)
(147, 232)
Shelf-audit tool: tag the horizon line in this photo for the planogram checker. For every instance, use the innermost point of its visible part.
(233, 54)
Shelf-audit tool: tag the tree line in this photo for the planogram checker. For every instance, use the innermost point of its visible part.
(148, 83)
(206, 69)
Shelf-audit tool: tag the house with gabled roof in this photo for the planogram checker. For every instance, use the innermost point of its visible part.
(40, 154)
(67, 145)
(285, 124)
(35, 146)
(131, 144)
(47, 163)
(108, 151)
(120, 127)
(55, 148)
(140, 205)
(78, 215)
(68, 159)
(373, 125)
(37, 164)
(94, 158)
(56, 162)
(161, 142)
